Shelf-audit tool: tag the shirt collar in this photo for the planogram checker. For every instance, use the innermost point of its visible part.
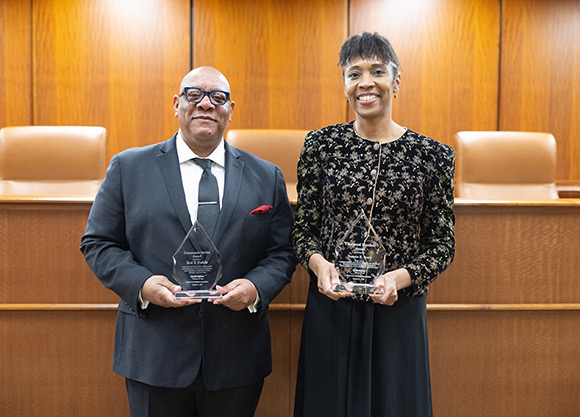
(184, 152)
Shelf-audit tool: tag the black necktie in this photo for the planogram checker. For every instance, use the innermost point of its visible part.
(208, 208)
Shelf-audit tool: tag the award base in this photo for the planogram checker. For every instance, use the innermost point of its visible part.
(197, 295)
(356, 288)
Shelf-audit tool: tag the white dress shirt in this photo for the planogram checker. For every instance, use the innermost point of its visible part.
(191, 172)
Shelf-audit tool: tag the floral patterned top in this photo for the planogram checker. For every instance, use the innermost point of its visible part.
(409, 204)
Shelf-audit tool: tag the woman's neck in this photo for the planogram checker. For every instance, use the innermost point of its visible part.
(381, 131)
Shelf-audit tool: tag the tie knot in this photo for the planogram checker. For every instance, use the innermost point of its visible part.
(204, 163)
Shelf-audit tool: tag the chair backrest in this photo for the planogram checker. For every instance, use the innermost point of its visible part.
(501, 165)
(279, 146)
(61, 160)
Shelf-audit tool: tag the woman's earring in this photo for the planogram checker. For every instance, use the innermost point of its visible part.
(395, 95)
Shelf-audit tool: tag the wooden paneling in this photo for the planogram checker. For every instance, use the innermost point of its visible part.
(59, 364)
(277, 397)
(112, 64)
(279, 388)
(15, 63)
(524, 253)
(118, 64)
(503, 319)
(504, 363)
(540, 77)
(40, 260)
(448, 51)
(280, 58)
(510, 349)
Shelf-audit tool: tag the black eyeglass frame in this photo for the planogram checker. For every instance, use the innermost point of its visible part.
(205, 93)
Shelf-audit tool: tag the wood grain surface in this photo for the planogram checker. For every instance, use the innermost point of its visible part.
(15, 63)
(112, 64)
(540, 77)
(448, 51)
(478, 65)
(503, 320)
(280, 58)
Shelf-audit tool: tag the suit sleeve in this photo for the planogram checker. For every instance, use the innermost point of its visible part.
(273, 272)
(104, 244)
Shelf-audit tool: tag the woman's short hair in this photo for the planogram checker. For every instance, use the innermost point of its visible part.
(368, 45)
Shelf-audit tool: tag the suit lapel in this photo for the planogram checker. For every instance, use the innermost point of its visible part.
(233, 181)
(169, 164)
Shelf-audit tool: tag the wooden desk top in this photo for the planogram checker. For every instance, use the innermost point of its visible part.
(561, 202)
(292, 195)
(54, 199)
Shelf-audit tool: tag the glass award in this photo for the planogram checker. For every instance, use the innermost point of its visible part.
(197, 265)
(360, 258)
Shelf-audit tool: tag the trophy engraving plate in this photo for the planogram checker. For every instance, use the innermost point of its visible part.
(359, 258)
(197, 265)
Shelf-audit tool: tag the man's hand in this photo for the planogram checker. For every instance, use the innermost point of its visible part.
(159, 290)
(237, 295)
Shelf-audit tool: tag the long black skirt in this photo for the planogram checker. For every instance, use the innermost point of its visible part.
(360, 359)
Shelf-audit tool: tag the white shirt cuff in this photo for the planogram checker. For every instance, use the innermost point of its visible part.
(144, 303)
(254, 307)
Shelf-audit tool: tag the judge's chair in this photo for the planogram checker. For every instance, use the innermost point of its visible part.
(500, 165)
(279, 146)
(52, 160)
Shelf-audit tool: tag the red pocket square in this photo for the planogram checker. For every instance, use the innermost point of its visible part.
(261, 210)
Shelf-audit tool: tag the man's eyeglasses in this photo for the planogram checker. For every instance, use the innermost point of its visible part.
(195, 95)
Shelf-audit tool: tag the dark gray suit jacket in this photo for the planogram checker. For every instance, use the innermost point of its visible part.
(138, 220)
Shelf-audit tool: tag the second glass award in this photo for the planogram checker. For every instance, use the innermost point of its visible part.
(197, 265)
(359, 258)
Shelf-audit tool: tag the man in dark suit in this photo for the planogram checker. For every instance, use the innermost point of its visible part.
(187, 357)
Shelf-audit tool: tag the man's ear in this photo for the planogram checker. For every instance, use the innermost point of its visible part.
(232, 105)
(176, 104)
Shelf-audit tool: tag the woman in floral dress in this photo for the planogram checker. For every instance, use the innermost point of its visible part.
(367, 355)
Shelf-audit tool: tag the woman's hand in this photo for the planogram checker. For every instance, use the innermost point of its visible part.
(327, 276)
(389, 284)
